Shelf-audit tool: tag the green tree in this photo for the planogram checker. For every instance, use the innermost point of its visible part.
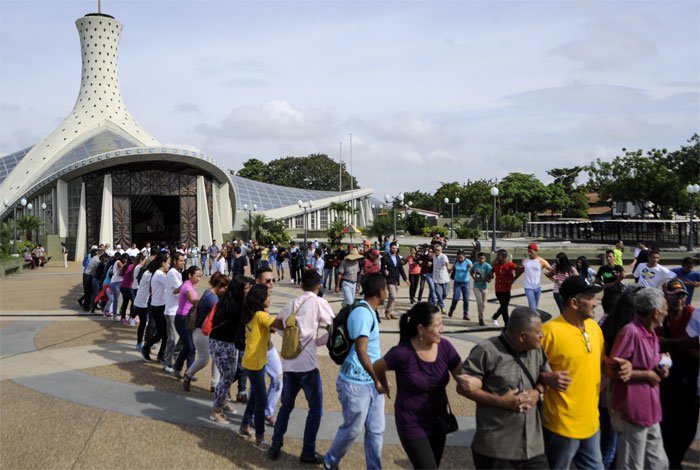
(566, 176)
(29, 223)
(415, 223)
(256, 225)
(335, 230)
(343, 209)
(381, 226)
(451, 191)
(421, 200)
(557, 199)
(254, 169)
(520, 192)
(579, 204)
(316, 171)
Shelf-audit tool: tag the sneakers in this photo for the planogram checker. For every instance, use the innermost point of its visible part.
(241, 398)
(146, 354)
(495, 322)
(316, 459)
(139, 346)
(273, 453)
(466, 318)
(481, 322)
(132, 322)
(177, 374)
(244, 431)
(262, 445)
(218, 416)
(168, 369)
(186, 383)
(450, 313)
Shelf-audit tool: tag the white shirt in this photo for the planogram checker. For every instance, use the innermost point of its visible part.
(533, 273)
(141, 299)
(158, 287)
(137, 269)
(220, 265)
(311, 310)
(174, 280)
(132, 251)
(440, 273)
(319, 266)
(652, 277)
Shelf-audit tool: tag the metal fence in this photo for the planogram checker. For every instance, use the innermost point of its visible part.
(653, 232)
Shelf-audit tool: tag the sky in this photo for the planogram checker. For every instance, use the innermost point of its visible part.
(430, 91)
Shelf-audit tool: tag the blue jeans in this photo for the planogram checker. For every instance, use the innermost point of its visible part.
(559, 301)
(256, 402)
(442, 291)
(608, 438)
(328, 276)
(533, 297)
(311, 383)
(187, 352)
(362, 406)
(431, 289)
(273, 369)
(115, 297)
(461, 290)
(561, 451)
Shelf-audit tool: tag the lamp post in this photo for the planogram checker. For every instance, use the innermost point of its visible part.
(394, 201)
(305, 206)
(23, 202)
(452, 214)
(250, 219)
(494, 193)
(692, 189)
(405, 216)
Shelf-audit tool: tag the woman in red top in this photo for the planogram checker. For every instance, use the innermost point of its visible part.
(414, 270)
(505, 272)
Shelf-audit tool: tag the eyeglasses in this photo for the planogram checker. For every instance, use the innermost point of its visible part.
(586, 340)
(269, 281)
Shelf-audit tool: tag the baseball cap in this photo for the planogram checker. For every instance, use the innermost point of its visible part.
(532, 246)
(675, 287)
(575, 285)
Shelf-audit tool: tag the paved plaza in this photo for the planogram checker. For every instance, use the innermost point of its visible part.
(76, 393)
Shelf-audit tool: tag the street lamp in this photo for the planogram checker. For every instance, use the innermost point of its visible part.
(494, 193)
(692, 189)
(23, 202)
(405, 216)
(394, 201)
(376, 209)
(305, 206)
(250, 219)
(452, 214)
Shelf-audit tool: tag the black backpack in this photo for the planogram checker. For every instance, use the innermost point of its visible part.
(339, 341)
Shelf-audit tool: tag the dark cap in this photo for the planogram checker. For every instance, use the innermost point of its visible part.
(675, 287)
(575, 285)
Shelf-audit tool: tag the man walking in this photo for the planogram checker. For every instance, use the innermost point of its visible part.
(441, 276)
(392, 268)
(610, 274)
(511, 367)
(360, 393)
(533, 265)
(574, 345)
(301, 372)
(348, 273)
(506, 272)
(212, 254)
(173, 283)
(652, 274)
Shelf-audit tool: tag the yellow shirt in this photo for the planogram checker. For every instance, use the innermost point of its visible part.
(573, 413)
(257, 335)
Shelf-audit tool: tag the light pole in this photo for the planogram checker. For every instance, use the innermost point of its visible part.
(23, 202)
(376, 209)
(692, 189)
(494, 193)
(405, 216)
(305, 206)
(250, 219)
(452, 214)
(394, 200)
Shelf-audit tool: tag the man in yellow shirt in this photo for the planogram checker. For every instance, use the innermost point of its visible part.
(574, 345)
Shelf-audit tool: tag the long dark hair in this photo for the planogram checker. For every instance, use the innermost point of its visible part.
(420, 314)
(127, 260)
(254, 301)
(585, 265)
(231, 302)
(189, 272)
(563, 265)
(621, 314)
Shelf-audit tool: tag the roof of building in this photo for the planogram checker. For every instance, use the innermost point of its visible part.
(269, 196)
(9, 162)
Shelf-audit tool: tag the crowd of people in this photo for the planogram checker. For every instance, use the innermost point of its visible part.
(621, 392)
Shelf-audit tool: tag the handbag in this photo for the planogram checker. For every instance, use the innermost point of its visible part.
(446, 421)
(191, 319)
(208, 324)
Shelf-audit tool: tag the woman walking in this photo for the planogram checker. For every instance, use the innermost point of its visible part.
(422, 361)
(221, 343)
(142, 300)
(217, 287)
(258, 322)
(126, 288)
(560, 271)
(414, 270)
(158, 284)
(186, 300)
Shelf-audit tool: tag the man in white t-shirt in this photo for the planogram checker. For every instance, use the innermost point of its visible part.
(173, 284)
(652, 274)
(301, 372)
(133, 251)
(441, 275)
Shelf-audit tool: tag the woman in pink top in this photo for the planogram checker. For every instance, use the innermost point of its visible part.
(186, 300)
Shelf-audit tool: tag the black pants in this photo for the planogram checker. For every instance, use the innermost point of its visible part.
(482, 461)
(413, 279)
(425, 452)
(127, 296)
(158, 316)
(679, 403)
(503, 301)
(86, 299)
(142, 313)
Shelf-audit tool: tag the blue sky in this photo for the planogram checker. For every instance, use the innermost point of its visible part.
(431, 90)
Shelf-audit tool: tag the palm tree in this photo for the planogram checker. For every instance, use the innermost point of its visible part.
(256, 225)
(29, 223)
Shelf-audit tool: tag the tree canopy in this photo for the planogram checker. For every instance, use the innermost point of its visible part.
(316, 171)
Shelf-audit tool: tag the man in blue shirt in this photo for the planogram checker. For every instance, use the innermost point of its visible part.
(690, 278)
(360, 393)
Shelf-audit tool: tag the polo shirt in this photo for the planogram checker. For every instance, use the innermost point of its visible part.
(574, 412)
(637, 401)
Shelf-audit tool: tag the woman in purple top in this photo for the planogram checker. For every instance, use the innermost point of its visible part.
(422, 361)
(187, 298)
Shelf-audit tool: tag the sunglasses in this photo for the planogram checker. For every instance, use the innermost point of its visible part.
(586, 340)
(269, 281)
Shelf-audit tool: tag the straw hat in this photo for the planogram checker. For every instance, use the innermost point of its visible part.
(353, 255)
